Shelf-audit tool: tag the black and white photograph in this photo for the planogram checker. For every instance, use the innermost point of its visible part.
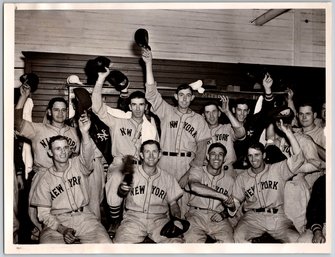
(172, 128)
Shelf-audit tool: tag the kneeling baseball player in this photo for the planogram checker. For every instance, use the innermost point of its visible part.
(210, 188)
(151, 200)
(261, 189)
(61, 196)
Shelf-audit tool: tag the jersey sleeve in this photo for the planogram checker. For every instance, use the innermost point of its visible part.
(204, 132)
(41, 196)
(158, 105)
(195, 174)
(105, 117)
(238, 189)
(28, 129)
(175, 191)
(49, 220)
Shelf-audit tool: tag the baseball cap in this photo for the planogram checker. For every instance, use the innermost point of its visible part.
(83, 100)
(31, 79)
(283, 113)
(117, 79)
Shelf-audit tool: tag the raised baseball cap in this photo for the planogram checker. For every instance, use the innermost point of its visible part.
(283, 113)
(142, 38)
(83, 100)
(31, 79)
(118, 80)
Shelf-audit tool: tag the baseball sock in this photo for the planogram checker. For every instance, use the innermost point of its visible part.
(116, 217)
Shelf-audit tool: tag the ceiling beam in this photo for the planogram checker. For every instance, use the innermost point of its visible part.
(267, 16)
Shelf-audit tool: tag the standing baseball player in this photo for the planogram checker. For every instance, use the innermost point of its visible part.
(261, 190)
(126, 137)
(184, 133)
(151, 201)
(226, 134)
(210, 189)
(40, 134)
(61, 196)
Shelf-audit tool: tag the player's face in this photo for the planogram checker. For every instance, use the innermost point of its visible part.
(150, 155)
(137, 107)
(241, 112)
(58, 112)
(216, 158)
(212, 115)
(306, 116)
(184, 98)
(60, 150)
(256, 159)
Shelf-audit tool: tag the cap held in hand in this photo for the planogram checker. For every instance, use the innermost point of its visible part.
(30, 79)
(175, 227)
(142, 38)
(118, 80)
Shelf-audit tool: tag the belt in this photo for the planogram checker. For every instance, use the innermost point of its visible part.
(74, 211)
(268, 210)
(198, 208)
(137, 162)
(181, 154)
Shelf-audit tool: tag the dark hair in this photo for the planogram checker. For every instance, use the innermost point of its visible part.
(150, 142)
(54, 100)
(184, 86)
(307, 103)
(136, 94)
(55, 138)
(210, 103)
(258, 146)
(217, 144)
(242, 101)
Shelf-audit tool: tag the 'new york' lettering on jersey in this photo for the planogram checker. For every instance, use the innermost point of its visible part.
(57, 190)
(155, 191)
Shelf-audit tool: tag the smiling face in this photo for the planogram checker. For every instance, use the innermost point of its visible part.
(212, 115)
(256, 159)
(60, 151)
(150, 155)
(184, 98)
(58, 113)
(306, 116)
(216, 158)
(241, 112)
(137, 107)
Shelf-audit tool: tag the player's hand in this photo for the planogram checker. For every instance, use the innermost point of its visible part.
(84, 123)
(123, 189)
(20, 182)
(146, 56)
(216, 217)
(25, 90)
(102, 76)
(290, 94)
(183, 181)
(228, 201)
(267, 82)
(225, 104)
(318, 237)
(283, 127)
(69, 236)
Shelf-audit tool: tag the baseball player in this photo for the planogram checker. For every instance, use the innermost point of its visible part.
(306, 117)
(261, 190)
(297, 191)
(40, 134)
(226, 134)
(61, 196)
(210, 188)
(184, 133)
(152, 196)
(254, 124)
(126, 137)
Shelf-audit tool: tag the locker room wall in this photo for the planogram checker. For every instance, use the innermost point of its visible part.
(296, 38)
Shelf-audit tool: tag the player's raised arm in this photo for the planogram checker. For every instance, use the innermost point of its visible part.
(147, 58)
(97, 91)
(87, 145)
(238, 128)
(18, 112)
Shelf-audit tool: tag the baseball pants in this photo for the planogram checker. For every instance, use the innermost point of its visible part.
(254, 224)
(88, 229)
(201, 226)
(135, 226)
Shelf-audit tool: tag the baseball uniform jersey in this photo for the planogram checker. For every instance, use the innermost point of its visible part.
(203, 208)
(40, 134)
(147, 207)
(179, 133)
(262, 196)
(65, 194)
